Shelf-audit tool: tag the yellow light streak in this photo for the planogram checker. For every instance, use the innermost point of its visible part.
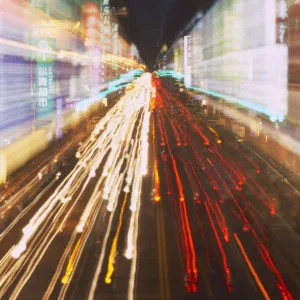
(69, 269)
(113, 249)
(251, 268)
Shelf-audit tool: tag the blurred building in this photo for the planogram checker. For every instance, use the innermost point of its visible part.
(294, 61)
(239, 50)
(58, 60)
(52, 54)
(16, 100)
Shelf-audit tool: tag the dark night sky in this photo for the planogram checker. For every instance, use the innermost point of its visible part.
(153, 22)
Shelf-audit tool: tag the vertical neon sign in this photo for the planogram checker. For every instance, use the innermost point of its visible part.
(45, 83)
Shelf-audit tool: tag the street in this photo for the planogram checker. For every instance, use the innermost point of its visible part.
(153, 204)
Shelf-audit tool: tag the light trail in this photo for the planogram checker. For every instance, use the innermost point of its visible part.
(113, 146)
(157, 197)
(222, 252)
(221, 189)
(136, 213)
(27, 209)
(187, 240)
(252, 270)
(112, 254)
(175, 168)
(136, 168)
(70, 264)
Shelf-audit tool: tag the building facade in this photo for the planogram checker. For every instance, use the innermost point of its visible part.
(240, 51)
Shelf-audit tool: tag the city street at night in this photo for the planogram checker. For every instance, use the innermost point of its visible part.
(149, 150)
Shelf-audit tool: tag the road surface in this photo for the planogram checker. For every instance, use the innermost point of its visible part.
(154, 204)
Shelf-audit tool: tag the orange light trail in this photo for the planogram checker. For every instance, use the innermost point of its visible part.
(269, 262)
(218, 140)
(230, 177)
(112, 254)
(187, 235)
(191, 242)
(222, 222)
(184, 138)
(240, 177)
(253, 272)
(69, 269)
(157, 196)
(281, 285)
(175, 133)
(174, 164)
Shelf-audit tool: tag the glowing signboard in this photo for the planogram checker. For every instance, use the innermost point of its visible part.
(45, 84)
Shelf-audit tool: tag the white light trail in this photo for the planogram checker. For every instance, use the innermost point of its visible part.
(119, 145)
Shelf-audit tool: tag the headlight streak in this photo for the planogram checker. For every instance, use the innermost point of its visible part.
(12, 267)
(84, 237)
(91, 212)
(41, 215)
(70, 263)
(25, 210)
(41, 248)
(44, 226)
(133, 174)
(136, 214)
(98, 269)
(134, 200)
(131, 284)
